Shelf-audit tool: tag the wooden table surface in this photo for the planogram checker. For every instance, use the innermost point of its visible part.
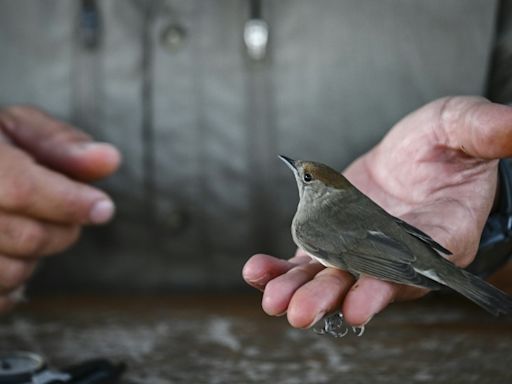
(228, 339)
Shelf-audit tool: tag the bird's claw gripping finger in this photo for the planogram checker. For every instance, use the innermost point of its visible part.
(335, 326)
(358, 331)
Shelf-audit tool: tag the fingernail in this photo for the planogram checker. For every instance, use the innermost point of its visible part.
(365, 322)
(84, 146)
(101, 212)
(260, 281)
(318, 317)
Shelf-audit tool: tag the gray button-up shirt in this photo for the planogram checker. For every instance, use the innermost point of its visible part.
(200, 122)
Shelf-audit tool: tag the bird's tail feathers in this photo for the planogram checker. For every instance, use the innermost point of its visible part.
(480, 292)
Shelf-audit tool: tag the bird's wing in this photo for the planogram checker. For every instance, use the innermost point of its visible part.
(362, 250)
(411, 230)
(385, 258)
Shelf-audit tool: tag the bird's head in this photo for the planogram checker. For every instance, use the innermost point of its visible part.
(315, 179)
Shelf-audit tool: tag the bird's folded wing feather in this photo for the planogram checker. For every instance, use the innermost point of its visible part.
(411, 230)
(386, 259)
(362, 250)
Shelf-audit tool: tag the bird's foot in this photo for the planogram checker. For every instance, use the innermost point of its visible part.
(358, 331)
(335, 326)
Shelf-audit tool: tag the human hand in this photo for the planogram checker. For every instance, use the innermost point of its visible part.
(44, 198)
(436, 169)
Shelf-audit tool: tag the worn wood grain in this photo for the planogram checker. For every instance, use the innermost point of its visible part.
(227, 339)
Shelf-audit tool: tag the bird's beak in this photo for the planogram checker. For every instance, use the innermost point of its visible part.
(289, 162)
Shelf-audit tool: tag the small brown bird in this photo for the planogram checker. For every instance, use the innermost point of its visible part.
(339, 226)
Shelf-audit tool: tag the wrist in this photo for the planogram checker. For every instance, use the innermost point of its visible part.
(495, 247)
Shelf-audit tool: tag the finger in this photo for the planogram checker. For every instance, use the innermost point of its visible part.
(279, 291)
(300, 257)
(24, 237)
(260, 268)
(59, 145)
(368, 296)
(33, 190)
(476, 126)
(14, 272)
(318, 297)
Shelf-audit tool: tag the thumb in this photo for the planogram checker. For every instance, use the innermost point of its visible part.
(476, 126)
(58, 145)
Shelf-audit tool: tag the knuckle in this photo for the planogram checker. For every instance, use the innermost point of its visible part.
(335, 277)
(16, 193)
(20, 113)
(17, 185)
(13, 115)
(65, 133)
(31, 238)
(447, 117)
(307, 271)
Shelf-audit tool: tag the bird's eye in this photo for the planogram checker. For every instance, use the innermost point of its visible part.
(307, 177)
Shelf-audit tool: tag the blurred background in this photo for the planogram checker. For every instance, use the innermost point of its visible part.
(200, 97)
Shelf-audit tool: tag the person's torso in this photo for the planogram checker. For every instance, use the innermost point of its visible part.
(200, 123)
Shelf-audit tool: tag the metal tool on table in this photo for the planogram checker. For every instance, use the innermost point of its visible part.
(31, 368)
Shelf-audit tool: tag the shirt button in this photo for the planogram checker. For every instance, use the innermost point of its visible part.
(172, 37)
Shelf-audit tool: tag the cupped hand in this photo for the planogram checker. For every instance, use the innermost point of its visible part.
(44, 198)
(437, 170)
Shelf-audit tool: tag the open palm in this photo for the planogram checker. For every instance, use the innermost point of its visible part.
(436, 169)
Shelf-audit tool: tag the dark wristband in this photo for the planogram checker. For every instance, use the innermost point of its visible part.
(495, 248)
